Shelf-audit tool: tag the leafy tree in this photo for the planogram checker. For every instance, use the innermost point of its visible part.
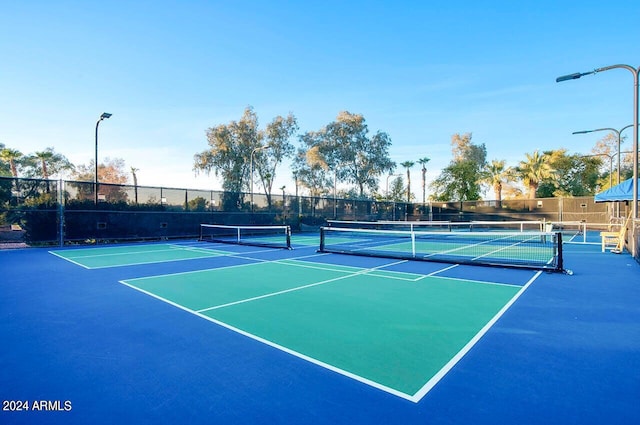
(197, 204)
(277, 136)
(5, 169)
(111, 172)
(229, 156)
(346, 149)
(459, 181)
(310, 169)
(463, 149)
(397, 191)
(229, 152)
(534, 170)
(574, 175)
(234, 147)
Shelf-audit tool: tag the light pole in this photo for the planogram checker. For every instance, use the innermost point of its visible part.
(259, 148)
(284, 200)
(618, 133)
(636, 117)
(387, 192)
(104, 115)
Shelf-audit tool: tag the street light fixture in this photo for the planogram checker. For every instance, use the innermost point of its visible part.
(259, 148)
(105, 115)
(618, 133)
(636, 118)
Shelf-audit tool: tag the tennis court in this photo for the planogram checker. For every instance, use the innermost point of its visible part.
(208, 332)
(352, 320)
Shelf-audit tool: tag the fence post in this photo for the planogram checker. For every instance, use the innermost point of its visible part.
(61, 210)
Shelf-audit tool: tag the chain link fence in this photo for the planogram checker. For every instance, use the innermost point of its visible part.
(47, 212)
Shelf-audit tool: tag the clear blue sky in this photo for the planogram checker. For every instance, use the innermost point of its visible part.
(420, 71)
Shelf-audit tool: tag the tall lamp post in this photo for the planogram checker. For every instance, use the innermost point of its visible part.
(636, 117)
(618, 133)
(259, 148)
(104, 115)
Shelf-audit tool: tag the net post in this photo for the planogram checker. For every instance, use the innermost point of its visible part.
(287, 231)
(560, 265)
(413, 244)
(61, 189)
(321, 239)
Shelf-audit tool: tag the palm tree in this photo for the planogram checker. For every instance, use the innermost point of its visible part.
(134, 170)
(495, 174)
(408, 165)
(535, 169)
(12, 156)
(423, 162)
(51, 162)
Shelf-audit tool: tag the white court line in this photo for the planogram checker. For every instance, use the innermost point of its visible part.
(69, 260)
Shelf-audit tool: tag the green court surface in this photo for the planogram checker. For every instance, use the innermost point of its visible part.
(399, 332)
(114, 256)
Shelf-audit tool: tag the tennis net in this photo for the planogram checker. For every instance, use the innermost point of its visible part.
(265, 236)
(443, 226)
(532, 250)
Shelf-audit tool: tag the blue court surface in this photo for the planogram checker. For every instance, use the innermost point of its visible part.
(187, 332)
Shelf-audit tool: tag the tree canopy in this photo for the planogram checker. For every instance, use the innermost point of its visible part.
(344, 149)
(460, 180)
(238, 153)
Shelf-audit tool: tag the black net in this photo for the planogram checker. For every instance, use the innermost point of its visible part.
(535, 250)
(266, 236)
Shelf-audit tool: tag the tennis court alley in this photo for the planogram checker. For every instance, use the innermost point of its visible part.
(206, 331)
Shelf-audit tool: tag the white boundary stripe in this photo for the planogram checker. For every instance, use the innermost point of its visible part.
(455, 359)
(69, 260)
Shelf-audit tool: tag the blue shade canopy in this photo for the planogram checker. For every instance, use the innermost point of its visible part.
(619, 192)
